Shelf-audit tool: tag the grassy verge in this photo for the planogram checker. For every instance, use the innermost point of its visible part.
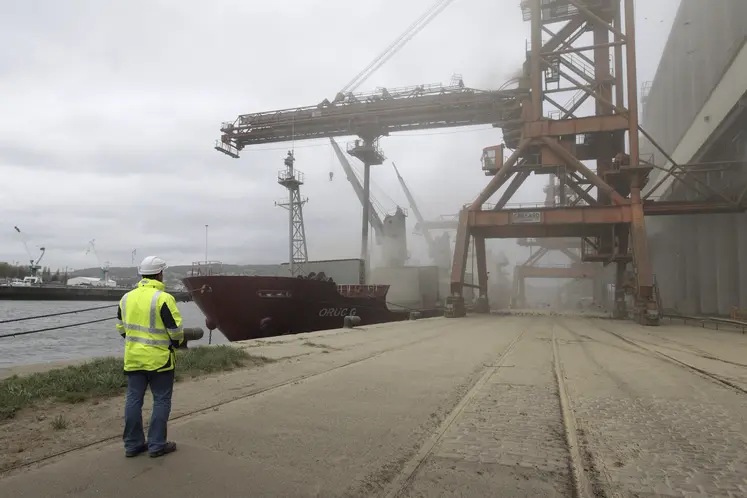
(104, 377)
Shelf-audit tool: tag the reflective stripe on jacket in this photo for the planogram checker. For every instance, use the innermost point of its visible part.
(148, 343)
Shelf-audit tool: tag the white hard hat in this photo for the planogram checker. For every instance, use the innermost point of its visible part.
(151, 265)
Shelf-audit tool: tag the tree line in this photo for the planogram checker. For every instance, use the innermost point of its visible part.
(8, 271)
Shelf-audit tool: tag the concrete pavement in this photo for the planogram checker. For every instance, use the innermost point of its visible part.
(437, 407)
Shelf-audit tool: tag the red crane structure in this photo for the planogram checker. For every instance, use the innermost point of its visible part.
(611, 224)
(608, 212)
(555, 195)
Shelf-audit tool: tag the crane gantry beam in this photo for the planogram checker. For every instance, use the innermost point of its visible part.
(372, 115)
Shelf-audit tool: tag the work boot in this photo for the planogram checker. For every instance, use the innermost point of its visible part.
(137, 451)
(169, 447)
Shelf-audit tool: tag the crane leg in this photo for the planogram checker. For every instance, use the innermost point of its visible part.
(482, 305)
(455, 307)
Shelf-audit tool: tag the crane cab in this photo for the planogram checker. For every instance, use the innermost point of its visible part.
(492, 159)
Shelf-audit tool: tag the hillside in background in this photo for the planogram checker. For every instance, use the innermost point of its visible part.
(127, 276)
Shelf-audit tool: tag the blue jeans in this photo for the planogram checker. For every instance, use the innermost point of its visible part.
(161, 386)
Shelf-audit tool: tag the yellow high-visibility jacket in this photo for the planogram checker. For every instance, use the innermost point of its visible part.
(149, 342)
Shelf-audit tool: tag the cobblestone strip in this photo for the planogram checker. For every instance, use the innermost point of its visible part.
(655, 353)
(399, 484)
(581, 481)
(653, 427)
(509, 439)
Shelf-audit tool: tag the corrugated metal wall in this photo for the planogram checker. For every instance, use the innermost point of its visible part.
(705, 37)
(700, 261)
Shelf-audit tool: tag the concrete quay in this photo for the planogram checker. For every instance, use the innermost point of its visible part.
(536, 406)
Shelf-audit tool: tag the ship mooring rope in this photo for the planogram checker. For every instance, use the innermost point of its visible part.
(47, 329)
(78, 324)
(12, 320)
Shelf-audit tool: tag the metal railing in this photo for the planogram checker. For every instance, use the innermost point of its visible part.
(360, 145)
(226, 148)
(488, 206)
(286, 176)
(551, 10)
(205, 268)
(579, 63)
(393, 212)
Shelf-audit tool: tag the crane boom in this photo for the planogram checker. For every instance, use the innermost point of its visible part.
(43, 251)
(33, 265)
(395, 46)
(379, 113)
(413, 205)
(375, 114)
(373, 218)
(25, 244)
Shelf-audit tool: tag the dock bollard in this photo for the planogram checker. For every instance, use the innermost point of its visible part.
(351, 321)
(191, 334)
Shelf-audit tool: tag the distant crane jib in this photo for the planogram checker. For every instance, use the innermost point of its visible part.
(395, 46)
(367, 71)
(384, 57)
(373, 217)
(22, 236)
(413, 205)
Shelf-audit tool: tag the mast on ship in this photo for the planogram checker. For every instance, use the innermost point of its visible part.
(292, 180)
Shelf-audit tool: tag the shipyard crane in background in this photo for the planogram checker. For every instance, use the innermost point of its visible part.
(391, 232)
(439, 248)
(34, 266)
(440, 251)
(105, 265)
(373, 218)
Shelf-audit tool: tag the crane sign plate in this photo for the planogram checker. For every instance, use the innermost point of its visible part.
(518, 217)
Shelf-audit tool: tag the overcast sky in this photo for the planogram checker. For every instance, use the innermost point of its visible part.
(110, 110)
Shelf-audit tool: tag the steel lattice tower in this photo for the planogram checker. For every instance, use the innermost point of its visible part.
(292, 180)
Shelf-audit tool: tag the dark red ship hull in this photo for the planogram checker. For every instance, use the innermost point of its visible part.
(248, 307)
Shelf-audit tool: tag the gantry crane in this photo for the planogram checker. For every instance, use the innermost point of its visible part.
(373, 115)
(391, 232)
(34, 266)
(559, 60)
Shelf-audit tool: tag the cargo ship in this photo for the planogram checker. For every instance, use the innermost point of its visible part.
(252, 307)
